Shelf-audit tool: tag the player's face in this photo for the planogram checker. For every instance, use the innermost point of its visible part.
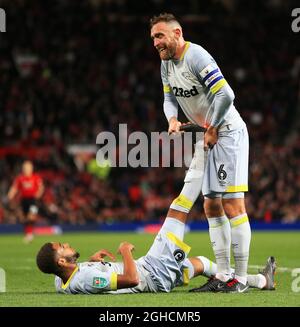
(164, 40)
(27, 168)
(65, 251)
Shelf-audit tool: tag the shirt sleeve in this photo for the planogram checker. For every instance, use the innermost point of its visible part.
(170, 103)
(98, 282)
(210, 76)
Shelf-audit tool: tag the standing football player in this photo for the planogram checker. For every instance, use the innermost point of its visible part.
(30, 188)
(192, 79)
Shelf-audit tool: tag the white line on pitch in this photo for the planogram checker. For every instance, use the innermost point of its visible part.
(278, 269)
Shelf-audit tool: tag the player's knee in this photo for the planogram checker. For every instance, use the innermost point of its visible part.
(177, 214)
(234, 207)
(213, 207)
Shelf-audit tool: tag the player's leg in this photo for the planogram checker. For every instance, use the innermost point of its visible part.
(226, 172)
(234, 206)
(220, 235)
(181, 206)
(168, 251)
(30, 212)
(178, 213)
(219, 227)
(27, 226)
(234, 203)
(265, 279)
(202, 266)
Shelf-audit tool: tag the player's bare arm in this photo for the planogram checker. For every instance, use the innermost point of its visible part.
(40, 190)
(12, 192)
(100, 255)
(130, 276)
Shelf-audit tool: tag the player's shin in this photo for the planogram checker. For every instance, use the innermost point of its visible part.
(240, 238)
(209, 267)
(219, 232)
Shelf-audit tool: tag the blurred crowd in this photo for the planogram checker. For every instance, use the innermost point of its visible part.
(76, 68)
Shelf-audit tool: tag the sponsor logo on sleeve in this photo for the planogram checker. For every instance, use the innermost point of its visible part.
(100, 282)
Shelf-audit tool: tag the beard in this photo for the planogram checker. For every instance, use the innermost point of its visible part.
(168, 51)
(73, 258)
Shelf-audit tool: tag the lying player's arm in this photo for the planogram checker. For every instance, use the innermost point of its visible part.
(100, 255)
(130, 276)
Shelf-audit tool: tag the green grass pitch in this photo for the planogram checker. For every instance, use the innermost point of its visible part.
(26, 286)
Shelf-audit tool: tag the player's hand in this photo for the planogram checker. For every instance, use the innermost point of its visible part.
(100, 255)
(210, 137)
(174, 126)
(125, 246)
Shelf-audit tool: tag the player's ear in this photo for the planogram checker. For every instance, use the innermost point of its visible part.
(61, 262)
(177, 32)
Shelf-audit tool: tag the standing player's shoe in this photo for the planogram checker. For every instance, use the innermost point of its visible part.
(269, 272)
(212, 285)
(234, 286)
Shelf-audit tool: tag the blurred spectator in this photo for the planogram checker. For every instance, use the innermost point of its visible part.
(29, 187)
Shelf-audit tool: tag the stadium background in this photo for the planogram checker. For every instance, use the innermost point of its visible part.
(72, 69)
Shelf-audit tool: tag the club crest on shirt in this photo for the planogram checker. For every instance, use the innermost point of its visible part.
(187, 75)
(206, 70)
(99, 282)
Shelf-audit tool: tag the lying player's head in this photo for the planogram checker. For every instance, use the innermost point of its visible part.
(166, 33)
(54, 257)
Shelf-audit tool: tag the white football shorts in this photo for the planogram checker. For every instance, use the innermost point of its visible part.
(226, 169)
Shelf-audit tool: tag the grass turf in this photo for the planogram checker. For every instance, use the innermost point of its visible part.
(26, 286)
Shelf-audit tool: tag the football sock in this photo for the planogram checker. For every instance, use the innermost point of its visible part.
(209, 267)
(258, 281)
(220, 237)
(240, 242)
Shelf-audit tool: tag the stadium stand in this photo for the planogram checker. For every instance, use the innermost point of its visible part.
(75, 69)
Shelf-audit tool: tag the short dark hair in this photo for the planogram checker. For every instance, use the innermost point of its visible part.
(164, 17)
(46, 260)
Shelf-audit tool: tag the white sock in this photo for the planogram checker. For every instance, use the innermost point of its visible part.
(209, 267)
(257, 281)
(240, 242)
(220, 237)
(173, 225)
